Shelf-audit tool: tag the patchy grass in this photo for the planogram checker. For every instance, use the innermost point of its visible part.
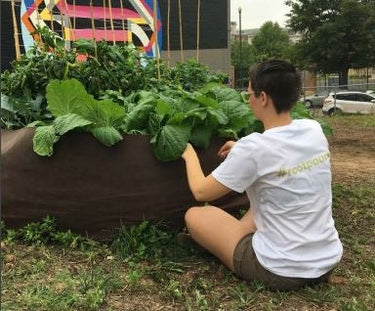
(352, 120)
(143, 268)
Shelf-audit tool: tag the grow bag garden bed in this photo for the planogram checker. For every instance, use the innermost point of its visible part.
(91, 189)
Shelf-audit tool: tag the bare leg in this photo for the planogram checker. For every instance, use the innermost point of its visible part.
(217, 231)
(248, 219)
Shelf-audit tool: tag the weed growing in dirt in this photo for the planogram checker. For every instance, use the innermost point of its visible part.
(43, 232)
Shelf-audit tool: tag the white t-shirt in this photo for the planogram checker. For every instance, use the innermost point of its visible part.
(286, 174)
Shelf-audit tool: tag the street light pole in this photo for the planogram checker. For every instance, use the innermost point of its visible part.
(240, 55)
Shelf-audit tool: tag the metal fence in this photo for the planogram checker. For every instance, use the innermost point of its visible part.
(324, 85)
(354, 84)
(326, 89)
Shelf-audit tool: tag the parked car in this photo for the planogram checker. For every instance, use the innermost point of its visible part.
(313, 101)
(349, 102)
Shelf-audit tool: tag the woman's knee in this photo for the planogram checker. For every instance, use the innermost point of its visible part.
(191, 215)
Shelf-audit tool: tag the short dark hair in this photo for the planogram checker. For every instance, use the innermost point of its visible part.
(278, 79)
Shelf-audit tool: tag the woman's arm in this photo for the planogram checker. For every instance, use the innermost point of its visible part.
(203, 188)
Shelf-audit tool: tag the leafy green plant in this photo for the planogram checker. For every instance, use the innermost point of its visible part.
(39, 233)
(174, 117)
(105, 95)
(244, 298)
(173, 288)
(113, 67)
(171, 117)
(200, 301)
(118, 68)
(74, 108)
(133, 278)
(17, 112)
(95, 284)
(140, 242)
(300, 111)
(192, 75)
(44, 232)
(68, 239)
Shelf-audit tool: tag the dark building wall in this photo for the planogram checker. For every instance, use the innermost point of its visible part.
(7, 49)
(214, 47)
(213, 24)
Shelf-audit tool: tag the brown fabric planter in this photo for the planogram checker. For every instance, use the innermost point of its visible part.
(91, 189)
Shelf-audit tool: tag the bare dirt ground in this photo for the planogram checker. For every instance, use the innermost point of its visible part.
(353, 153)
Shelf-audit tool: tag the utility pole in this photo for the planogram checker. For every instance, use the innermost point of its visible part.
(240, 56)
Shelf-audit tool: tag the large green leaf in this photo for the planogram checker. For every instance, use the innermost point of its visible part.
(174, 101)
(199, 113)
(229, 133)
(225, 94)
(7, 104)
(44, 139)
(207, 101)
(103, 113)
(15, 105)
(145, 97)
(239, 114)
(177, 119)
(219, 116)
(137, 118)
(66, 96)
(201, 136)
(170, 142)
(220, 92)
(188, 103)
(17, 112)
(107, 135)
(69, 122)
(208, 87)
(8, 112)
(163, 108)
(154, 123)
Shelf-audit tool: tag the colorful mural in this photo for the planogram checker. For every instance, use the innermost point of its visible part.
(110, 20)
(120, 20)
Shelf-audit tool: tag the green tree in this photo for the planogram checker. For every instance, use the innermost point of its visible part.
(337, 34)
(271, 42)
(242, 57)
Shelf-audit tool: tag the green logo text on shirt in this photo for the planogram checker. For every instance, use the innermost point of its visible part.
(307, 165)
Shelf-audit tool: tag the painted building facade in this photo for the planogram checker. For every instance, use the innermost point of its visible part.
(176, 26)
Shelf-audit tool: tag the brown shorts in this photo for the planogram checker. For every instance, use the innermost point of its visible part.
(247, 267)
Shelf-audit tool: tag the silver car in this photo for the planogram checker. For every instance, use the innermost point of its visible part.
(349, 102)
(313, 101)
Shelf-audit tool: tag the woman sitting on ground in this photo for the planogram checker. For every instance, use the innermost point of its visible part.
(287, 238)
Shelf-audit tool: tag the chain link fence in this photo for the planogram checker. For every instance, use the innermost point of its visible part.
(324, 85)
(354, 83)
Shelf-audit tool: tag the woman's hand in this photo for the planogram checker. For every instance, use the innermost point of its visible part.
(226, 148)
